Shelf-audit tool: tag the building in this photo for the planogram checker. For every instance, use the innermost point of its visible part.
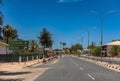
(109, 46)
(3, 48)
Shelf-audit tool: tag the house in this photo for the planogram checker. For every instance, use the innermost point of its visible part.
(3, 48)
(109, 46)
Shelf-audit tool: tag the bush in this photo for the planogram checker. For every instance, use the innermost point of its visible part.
(96, 51)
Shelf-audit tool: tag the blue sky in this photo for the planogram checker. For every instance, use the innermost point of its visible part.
(65, 19)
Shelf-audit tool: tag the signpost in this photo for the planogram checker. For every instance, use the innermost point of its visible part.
(47, 49)
(18, 45)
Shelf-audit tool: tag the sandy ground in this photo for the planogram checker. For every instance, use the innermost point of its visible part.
(22, 71)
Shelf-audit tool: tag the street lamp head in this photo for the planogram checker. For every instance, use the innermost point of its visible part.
(112, 11)
(94, 12)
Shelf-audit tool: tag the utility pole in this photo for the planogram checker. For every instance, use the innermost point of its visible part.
(101, 22)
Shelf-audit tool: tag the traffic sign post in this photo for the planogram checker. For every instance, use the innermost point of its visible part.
(18, 45)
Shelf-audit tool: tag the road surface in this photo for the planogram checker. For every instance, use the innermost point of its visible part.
(69, 68)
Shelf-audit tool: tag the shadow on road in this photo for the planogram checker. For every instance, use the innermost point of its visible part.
(12, 73)
(11, 80)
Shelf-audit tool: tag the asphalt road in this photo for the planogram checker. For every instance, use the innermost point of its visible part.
(69, 68)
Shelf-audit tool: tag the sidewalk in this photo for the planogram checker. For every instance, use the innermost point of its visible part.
(20, 71)
(113, 58)
(15, 65)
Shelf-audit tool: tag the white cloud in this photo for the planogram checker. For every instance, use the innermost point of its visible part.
(62, 1)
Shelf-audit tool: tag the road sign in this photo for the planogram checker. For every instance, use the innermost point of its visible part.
(18, 45)
(47, 49)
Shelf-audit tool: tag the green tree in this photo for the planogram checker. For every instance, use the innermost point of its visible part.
(33, 46)
(63, 44)
(1, 18)
(96, 51)
(9, 33)
(76, 47)
(1, 21)
(92, 46)
(1, 14)
(114, 50)
(45, 39)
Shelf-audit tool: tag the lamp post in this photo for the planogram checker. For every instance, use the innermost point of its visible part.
(82, 45)
(88, 33)
(82, 41)
(101, 20)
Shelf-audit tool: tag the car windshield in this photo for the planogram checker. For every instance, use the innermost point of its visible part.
(59, 40)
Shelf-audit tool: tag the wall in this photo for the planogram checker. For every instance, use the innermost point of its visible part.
(108, 50)
(3, 50)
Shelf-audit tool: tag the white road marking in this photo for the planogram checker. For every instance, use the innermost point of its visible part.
(81, 68)
(91, 77)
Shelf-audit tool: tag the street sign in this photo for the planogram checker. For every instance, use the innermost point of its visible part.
(47, 49)
(18, 45)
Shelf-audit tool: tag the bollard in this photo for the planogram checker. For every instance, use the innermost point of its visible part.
(27, 58)
(19, 59)
(32, 57)
(37, 58)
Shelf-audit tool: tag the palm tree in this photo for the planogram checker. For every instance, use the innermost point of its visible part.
(0, 34)
(45, 39)
(33, 46)
(63, 44)
(1, 21)
(1, 18)
(1, 15)
(9, 33)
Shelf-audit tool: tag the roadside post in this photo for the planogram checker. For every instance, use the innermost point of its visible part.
(18, 45)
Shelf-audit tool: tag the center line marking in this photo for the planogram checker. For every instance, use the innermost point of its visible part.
(91, 77)
(81, 68)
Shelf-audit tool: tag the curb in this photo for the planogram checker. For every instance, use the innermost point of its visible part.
(47, 60)
(113, 67)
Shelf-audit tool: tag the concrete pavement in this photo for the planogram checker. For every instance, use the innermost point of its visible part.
(73, 69)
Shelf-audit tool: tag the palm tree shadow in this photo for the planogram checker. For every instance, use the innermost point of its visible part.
(11, 79)
(12, 73)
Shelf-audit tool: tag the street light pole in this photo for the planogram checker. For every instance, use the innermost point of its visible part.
(88, 43)
(101, 20)
(101, 42)
(88, 33)
(82, 41)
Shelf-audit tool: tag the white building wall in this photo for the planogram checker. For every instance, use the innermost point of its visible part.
(108, 50)
(3, 50)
